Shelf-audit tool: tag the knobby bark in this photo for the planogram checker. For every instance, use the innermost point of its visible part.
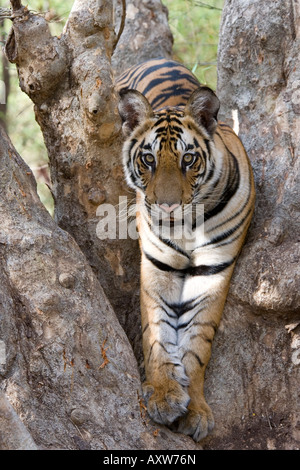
(253, 381)
(70, 80)
(66, 365)
(5, 88)
(61, 327)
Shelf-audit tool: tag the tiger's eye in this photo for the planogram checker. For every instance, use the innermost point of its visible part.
(188, 158)
(148, 159)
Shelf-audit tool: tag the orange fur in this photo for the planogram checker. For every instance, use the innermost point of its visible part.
(179, 157)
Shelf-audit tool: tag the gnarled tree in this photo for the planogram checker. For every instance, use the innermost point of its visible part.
(66, 366)
(252, 382)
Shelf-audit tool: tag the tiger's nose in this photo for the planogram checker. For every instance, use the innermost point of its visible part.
(167, 208)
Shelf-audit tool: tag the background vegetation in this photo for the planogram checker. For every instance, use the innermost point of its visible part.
(195, 27)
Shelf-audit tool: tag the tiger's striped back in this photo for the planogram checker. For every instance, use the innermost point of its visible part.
(164, 83)
(178, 158)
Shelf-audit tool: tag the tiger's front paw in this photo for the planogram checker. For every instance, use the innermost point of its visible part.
(167, 402)
(196, 423)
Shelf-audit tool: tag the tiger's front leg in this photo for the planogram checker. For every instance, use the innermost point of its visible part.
(166, 386)
(197, 326)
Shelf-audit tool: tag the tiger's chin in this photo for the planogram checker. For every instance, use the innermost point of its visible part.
(162, 220)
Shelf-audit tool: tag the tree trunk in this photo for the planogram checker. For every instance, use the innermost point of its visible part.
(253, 379)
(66, 365)
(70, 81)
(146, 34)
(5, 84)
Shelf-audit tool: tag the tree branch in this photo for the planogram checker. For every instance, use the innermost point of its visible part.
(16, 4)
(206, 5)
(5, 13)
(122, 25)
(40, 57)
(56, 327)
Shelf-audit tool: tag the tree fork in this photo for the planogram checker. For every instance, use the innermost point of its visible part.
(70, 81)
(56, 390)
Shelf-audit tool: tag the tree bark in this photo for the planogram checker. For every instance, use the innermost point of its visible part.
(61, 327)
(146, 34)
(258, 78)
(68, 373)
(70, 80)
(66, 365)
(13, 434)
(253, 379)
(5, 85)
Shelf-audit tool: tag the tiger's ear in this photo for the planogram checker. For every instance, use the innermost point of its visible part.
(134, 108)
(203, 105)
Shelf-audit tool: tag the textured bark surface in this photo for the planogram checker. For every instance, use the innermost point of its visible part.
(70, 80)
(259, 77)
(57, 327)
(253, 380)
(67, 369)
(146, 34)
(13, 434)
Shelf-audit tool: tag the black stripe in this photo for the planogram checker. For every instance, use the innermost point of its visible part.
(207, 145)
(183, 325)
(236, 214)
(159, 304)
(159, 264)
(202, 336)
(211, 324)
(173, 245)
(181, 308)
(195, 356)
(165, 310)
(167, 322)
(227, 233)
(184, 307)
(229, 191)
(161, 345)
(202, 270)
(176, 88)
(210, 175)
(130, 165)
(172, 73)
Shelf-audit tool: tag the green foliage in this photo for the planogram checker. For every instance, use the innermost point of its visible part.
(20, 121)
(27, 138)
(195, 27)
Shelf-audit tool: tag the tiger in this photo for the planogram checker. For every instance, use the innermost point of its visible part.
(179, 158)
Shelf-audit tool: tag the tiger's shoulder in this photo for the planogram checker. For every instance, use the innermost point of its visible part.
(226, 137)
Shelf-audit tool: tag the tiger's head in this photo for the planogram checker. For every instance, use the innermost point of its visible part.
(168, 155)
